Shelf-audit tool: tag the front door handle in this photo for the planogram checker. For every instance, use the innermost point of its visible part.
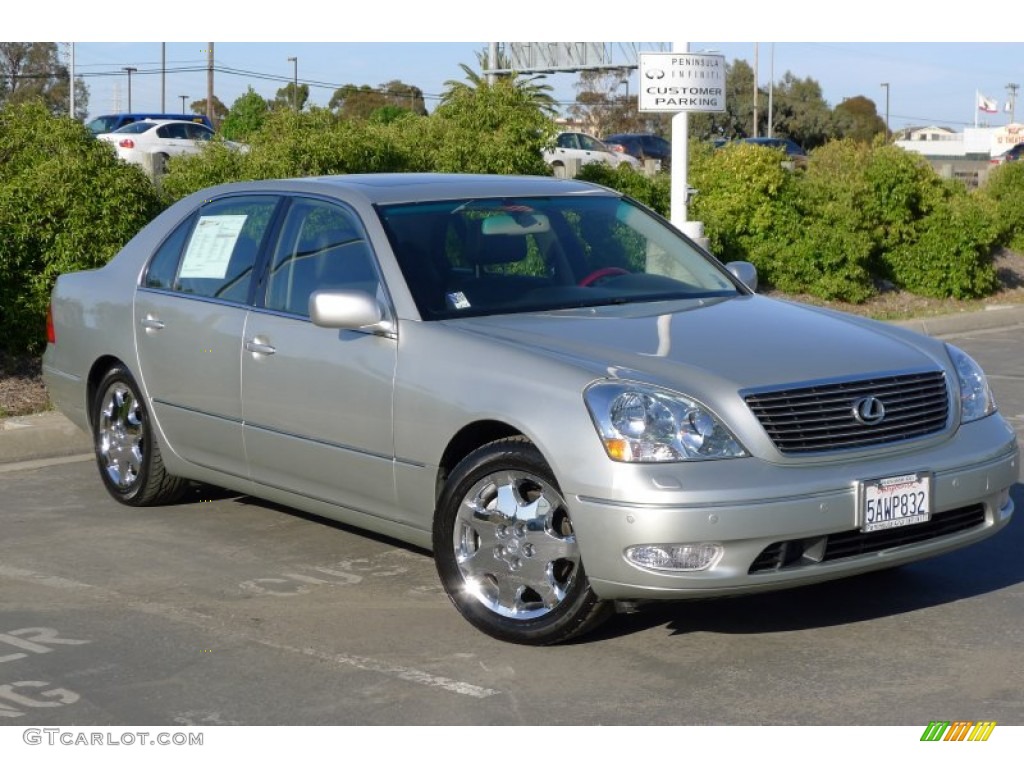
(151, 323)
(258, 347)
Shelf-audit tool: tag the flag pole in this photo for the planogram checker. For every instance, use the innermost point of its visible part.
(977, 101)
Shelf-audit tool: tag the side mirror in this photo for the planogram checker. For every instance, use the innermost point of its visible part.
(745, 272)
(352, 310)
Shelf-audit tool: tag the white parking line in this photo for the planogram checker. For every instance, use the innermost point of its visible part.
(213, 625)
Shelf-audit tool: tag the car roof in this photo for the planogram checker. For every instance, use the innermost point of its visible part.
(389, 188)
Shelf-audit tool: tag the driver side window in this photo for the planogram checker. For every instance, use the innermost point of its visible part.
(322, 247)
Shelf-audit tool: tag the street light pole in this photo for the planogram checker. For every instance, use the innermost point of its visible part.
(129, 70)
(886, 86)
(183, 98)
(295, 82)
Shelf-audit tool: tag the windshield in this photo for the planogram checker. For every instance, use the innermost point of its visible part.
(481, 257)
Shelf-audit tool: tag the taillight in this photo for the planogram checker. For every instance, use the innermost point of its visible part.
(51, 333)
(126, 143)
(619, 148)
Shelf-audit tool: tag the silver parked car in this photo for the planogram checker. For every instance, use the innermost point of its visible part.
(568, 401)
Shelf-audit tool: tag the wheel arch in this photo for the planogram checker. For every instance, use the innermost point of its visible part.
(99, 369)
(464, 442)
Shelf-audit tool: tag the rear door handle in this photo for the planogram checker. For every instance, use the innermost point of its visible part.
(151, 323)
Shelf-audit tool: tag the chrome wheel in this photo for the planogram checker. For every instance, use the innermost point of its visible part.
(515, 546)
(506, 551)
(127, 452)
(121, 436)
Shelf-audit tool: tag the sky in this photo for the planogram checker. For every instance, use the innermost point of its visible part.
(935, 63)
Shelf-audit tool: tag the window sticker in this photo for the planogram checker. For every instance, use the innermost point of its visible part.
(209, 250)
(458, 300)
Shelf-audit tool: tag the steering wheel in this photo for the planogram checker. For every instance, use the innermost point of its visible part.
(603, 272)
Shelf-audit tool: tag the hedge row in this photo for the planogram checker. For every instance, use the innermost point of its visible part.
(857, 216)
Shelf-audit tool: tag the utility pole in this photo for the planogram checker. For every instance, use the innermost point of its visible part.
(295, 82)
(886, 86)
(754, 134)
(163, 77)
(771, 90)
(72, 81)
(129, 70)
(209, 84)
(1013, 88)
(183, 98)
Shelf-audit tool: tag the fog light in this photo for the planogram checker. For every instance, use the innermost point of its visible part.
(675, 557)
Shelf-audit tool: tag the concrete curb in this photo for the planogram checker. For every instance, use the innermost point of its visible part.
(50, 434)
(42, 435)
(990, 318)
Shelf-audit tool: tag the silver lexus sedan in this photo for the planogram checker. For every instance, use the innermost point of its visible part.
(565, 399)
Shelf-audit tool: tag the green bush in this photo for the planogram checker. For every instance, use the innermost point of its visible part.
(933, 237)
(1005, 190)
(951, 253)
(653, 191)
(490, 129)
(66, 203)
(855, 216)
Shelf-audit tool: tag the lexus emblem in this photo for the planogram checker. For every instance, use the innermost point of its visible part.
(868, 411)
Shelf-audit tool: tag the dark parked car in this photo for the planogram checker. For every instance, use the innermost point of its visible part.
(797, 154)
(641, 146)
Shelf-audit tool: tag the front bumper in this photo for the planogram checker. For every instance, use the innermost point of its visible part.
(749, 517)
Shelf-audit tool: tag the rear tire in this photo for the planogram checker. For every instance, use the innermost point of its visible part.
(126, 449)
(506, 551)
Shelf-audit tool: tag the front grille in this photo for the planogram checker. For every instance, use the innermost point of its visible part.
(797, 553)
(820, 417)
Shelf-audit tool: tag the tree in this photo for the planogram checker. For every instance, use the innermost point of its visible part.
(288, 96)
(220, 111)
(737, 122)
(857, 119)
(246, 116)
(604, 107)
(801, 112)
(356, 102)
(360, 102)
(30, 71)
(399, 94)
(497, 128)
(538, 91)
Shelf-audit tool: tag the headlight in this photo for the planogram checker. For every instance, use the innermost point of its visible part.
(976, 399)
(638, 423)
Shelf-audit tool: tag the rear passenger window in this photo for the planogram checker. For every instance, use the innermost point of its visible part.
(321, 247)
(213, 253)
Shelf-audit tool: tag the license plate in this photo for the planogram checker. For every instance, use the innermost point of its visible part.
(894, 502)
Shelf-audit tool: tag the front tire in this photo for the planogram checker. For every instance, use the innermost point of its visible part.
(127, 453)
(506, 551)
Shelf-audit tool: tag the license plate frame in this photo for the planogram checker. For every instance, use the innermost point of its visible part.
(894, 502)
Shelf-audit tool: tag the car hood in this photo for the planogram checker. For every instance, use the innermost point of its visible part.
(715, 346)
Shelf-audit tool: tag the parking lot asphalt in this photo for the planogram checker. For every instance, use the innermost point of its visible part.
(224, 609)
(48, 435)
